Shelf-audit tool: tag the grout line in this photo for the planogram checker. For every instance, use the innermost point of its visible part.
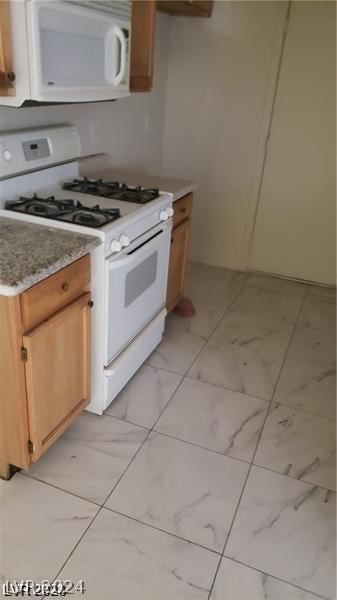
(164, 408)
(217, 452)
(227, 310)
(227, 388)
(123, 420)
(52, 485)
(306, 411)
(100, 508)
(277, 578)
(175, 535)
(126, 468)
(119, 419)
(76, 545)
(313, 485)
(260, 435)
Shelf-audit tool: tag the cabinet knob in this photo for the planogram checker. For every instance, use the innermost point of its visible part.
(65, 286)
(91, 303)
(183, 210)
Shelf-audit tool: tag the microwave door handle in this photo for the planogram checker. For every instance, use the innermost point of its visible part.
(120, 38)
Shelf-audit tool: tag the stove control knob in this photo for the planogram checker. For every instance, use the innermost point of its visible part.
(163, 216)
(124, 240)
(7, 154)
(170, 211)
(115, 246)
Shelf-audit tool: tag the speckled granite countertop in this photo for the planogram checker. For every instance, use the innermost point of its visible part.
(31, 252)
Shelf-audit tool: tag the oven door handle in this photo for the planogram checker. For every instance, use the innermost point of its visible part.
(117, 262)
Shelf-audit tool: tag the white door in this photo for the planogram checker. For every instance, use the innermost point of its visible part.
(295, 230)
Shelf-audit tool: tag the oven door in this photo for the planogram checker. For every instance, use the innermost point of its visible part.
(77, 54)
(136, 287)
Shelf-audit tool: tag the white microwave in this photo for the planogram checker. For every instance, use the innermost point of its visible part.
(70, 50)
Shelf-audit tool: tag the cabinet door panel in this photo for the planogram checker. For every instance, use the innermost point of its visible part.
(142, 45)
(57, 373)
(177, 266)
(6, 76)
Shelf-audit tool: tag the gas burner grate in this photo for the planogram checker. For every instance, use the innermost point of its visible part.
(112, 189)
(64, 210)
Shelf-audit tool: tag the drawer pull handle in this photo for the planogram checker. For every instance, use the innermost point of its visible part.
(65, 286)
(183, 210)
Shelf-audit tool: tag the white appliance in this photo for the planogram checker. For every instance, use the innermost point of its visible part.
(129, 269)
(70, 50)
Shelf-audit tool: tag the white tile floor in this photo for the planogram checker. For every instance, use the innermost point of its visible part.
(213, 473)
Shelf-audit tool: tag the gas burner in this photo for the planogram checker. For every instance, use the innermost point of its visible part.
(112, 189)
(64, 210)
(46, 207)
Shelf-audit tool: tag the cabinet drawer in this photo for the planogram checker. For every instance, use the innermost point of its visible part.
(182, 209)
(48, 296)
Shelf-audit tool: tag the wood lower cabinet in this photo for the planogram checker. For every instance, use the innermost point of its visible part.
(45, 370)
(180, 238)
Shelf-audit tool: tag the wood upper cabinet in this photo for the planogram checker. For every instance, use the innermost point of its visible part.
(6, 68)
(187, 8)
(180, 237)
(44, 363)
(142, 45)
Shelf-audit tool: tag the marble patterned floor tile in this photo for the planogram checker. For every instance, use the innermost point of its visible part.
(90, 456)
(237, 369)
(324, 293)
(121, 559)
(245, 354)
(145, 396)
(181, 489)
(39, 527)
(313, 346)
(235, 581)
(299, 444)
(209, 285)
(318, 315)
(210, 292)
(202, 324)
(255, 333)
(204, 272)
(214, 418)
(176, 352)
(277, 284)
(255, 301)
(311, 387)
(286, 528)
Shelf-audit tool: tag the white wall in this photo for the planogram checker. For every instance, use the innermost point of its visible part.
(120, 126)
(218, 82)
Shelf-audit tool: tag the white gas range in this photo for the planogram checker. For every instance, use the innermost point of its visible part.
(129, 269)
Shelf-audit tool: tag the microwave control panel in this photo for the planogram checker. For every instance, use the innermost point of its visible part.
(35, 149)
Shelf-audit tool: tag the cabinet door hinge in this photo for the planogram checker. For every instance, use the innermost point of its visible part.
(30, 446)
(24, 353)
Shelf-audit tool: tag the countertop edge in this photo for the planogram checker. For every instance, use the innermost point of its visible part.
(63, 261)
(188, 189)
